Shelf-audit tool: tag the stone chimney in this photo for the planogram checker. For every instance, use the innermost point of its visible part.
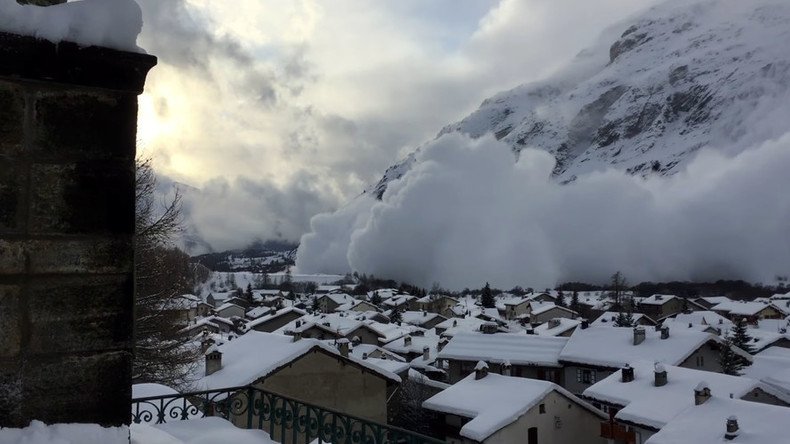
(356, 341)
(701, 393)
(660, 375)
(639, 334)
(407, 341)
(426, 353)
(506, 368)
(665, 332)
(213, 361)
(627, 373)
(732, 428)
(297, 336)
(585, 323)
(481, 370)
(530, 331)
(554, 323)
(298, 323)
(342, 345)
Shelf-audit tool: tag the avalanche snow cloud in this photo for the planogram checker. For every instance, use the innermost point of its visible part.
(466, 214)
(670, 134)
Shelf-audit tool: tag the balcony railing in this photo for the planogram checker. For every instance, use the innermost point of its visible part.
(617, 432)
(287, 420)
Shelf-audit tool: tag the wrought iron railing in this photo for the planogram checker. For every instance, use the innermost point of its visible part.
(287, 420)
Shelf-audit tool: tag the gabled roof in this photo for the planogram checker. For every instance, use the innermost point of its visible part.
(758, 423)
(244, 360)
(608, 318)
(494, 402)
(266, 318)
(651, 406)
(614, 347)
(565, 324)
(453, 326)
(419, 317)
(743, 308)
(658, 299)
(518, 349)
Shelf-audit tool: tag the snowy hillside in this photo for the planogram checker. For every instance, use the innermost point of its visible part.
(682, 76)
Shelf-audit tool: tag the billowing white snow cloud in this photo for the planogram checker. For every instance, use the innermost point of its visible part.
(466, 214)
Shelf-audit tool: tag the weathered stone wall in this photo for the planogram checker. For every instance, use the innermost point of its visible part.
(67, 145)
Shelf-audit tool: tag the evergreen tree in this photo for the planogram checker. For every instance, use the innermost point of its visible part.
(624, 320)
(731, 363)
(560, 299)
(396, 317)
(248, 294)
(375, 299)
(575, 301)
(316, 306)
(741, 338)
(486, 298)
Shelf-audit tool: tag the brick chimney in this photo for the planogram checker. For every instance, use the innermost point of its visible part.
(639, 334)
(213, 360)
(481, 370)
(627, 373)
(660, 375)
(732, 428)
(701, 393)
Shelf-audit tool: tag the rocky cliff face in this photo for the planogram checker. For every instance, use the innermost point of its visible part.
(680, 77)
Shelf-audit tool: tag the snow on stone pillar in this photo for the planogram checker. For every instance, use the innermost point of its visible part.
(481, 370)
(213, 360)
(68, 122)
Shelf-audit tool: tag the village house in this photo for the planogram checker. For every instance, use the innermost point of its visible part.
(660, 306)
(608, 319)
(492, 408)
(541, 312)
(512, 306)
(422, 319)
(211, 324)
(434, 303)
(306, 369)
(594, 353)
(630, 397)
(719, 419)
(183, 309)
(522, 355)
(328, 303)
(709, 301)
(358, 306)
(412, 345)
(771, 366)
(229, 310)
(563, 327)
(750, 311)
(275, 320)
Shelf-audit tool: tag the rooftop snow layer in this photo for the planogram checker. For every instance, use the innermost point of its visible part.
(519, 349)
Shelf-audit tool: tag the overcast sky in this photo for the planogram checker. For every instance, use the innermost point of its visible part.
(278, 110)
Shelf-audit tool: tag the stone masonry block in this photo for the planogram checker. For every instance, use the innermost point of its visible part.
(12, 257)
(82, 198)
(92, 255)
(11, 337)
(12, 115)
(75, 388)
(11, 393)
(80, 314)
(85, 125)
(12, 187)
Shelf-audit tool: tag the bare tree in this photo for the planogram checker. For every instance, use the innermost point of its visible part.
(617, 288)
(163, 274)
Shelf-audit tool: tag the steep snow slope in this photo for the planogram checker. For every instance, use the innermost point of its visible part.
(680, 77)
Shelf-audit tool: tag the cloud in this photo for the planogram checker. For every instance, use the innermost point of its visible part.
(333, 91)
(467, 213)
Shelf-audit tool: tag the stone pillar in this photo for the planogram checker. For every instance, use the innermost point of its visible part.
(68, 121)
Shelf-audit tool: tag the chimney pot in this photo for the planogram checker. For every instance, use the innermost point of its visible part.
(701, 393)
(481, 370)
(407, 340)
(627, 373)
(639, 334)
(585, 323)
(364, 356)
(213, 361)
(660, 375)
(732, 428)
(665, 332)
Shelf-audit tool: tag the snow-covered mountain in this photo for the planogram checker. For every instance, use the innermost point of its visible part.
(650, 93)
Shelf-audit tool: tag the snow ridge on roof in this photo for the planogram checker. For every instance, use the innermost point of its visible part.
(519, 349)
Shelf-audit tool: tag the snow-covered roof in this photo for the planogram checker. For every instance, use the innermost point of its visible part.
(771, 366)
(741, 307)
(607, 318)
(704, 318)
(244, 362)
(614, 346)
(228, 305)
(418, 377)
(563, 325)
(147, 389)
(715, 299)
(397, 300)
(338, 298)
(211, 429)
(519, 349)
(453, 326)
(493, 402)
(418, 317)
(266, 318)
(429, 339)
(657, 299)
(706, 423)
(652, 406)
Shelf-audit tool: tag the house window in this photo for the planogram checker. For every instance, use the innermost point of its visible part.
(700, 361)
(585, 376)
(542, 408)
